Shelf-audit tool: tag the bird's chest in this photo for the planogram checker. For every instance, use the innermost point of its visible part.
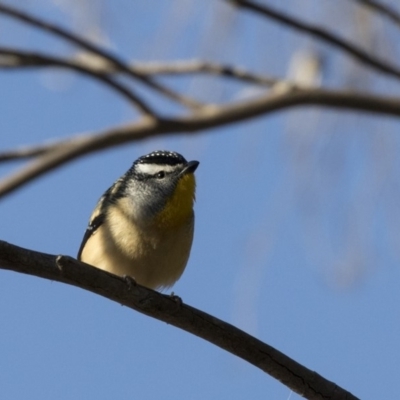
(153, 257)
(178, 209)
(138, 241)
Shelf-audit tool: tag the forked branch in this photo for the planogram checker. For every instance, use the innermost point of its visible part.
(210, 117)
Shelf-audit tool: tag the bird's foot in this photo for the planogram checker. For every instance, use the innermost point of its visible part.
(176, 299)
(130, 282)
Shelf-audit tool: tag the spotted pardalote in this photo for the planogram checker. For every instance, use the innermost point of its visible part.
(143, 224)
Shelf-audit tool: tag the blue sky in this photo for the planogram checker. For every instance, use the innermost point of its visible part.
(296, 236)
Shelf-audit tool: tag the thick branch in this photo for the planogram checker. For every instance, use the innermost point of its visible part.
(67, 270)
(208, 118)
(320, 33)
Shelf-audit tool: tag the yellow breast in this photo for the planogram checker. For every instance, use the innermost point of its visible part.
(180, 206)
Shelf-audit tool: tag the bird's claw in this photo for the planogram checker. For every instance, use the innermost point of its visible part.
(130, 282)
(176, 299)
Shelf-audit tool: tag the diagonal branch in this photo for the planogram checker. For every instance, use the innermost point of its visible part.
(322, 34)
(13, 59)
(10, 11)
(107, 56)
(208, 118)
(162, 307)
(38, 59)
(383, 9)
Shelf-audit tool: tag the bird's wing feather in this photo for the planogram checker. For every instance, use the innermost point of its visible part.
(99, 213)
(91, 229)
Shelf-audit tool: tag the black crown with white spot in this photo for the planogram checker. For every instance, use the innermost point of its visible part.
(161, 157)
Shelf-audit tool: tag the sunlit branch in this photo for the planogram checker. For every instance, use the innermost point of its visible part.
(204, 67)
(13, 59)
(10, 56)
(180, 68)
(114, 60)
(24, 152)
(207, 118)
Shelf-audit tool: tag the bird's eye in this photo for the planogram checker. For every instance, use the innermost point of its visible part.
(160, 175)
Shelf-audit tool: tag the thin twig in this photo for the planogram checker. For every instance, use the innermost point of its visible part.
(12, 12)
(114, 60)
(18, 59)
(320, 33)
(163, 307)
(208, 118)
(36, 59)
(204, 67)
(383, 9)
(24, 152)
(181, 67)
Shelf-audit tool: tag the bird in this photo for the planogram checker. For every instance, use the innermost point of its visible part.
(142, 227)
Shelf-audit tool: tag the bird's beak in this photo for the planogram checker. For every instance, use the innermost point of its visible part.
(190, 167)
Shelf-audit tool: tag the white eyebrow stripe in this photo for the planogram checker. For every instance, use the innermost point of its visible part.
(152, 169)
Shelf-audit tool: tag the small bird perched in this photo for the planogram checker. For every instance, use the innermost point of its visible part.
(143, 224)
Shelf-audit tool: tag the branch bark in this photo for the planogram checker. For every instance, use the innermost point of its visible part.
(102, 54)
(13, 58)
(38, 59)
(165, 308)
(322, 34)
(174, 68)
(208, 117)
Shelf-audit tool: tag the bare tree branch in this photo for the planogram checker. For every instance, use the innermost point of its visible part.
(7, 10)
(79, 41)
(24, 152)
(164, 308)
(180, 67)
(383, 9)
(204, 67)
(322, 34)
(12, 58)
(184, 67)
(38, 59)
(209, 117)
